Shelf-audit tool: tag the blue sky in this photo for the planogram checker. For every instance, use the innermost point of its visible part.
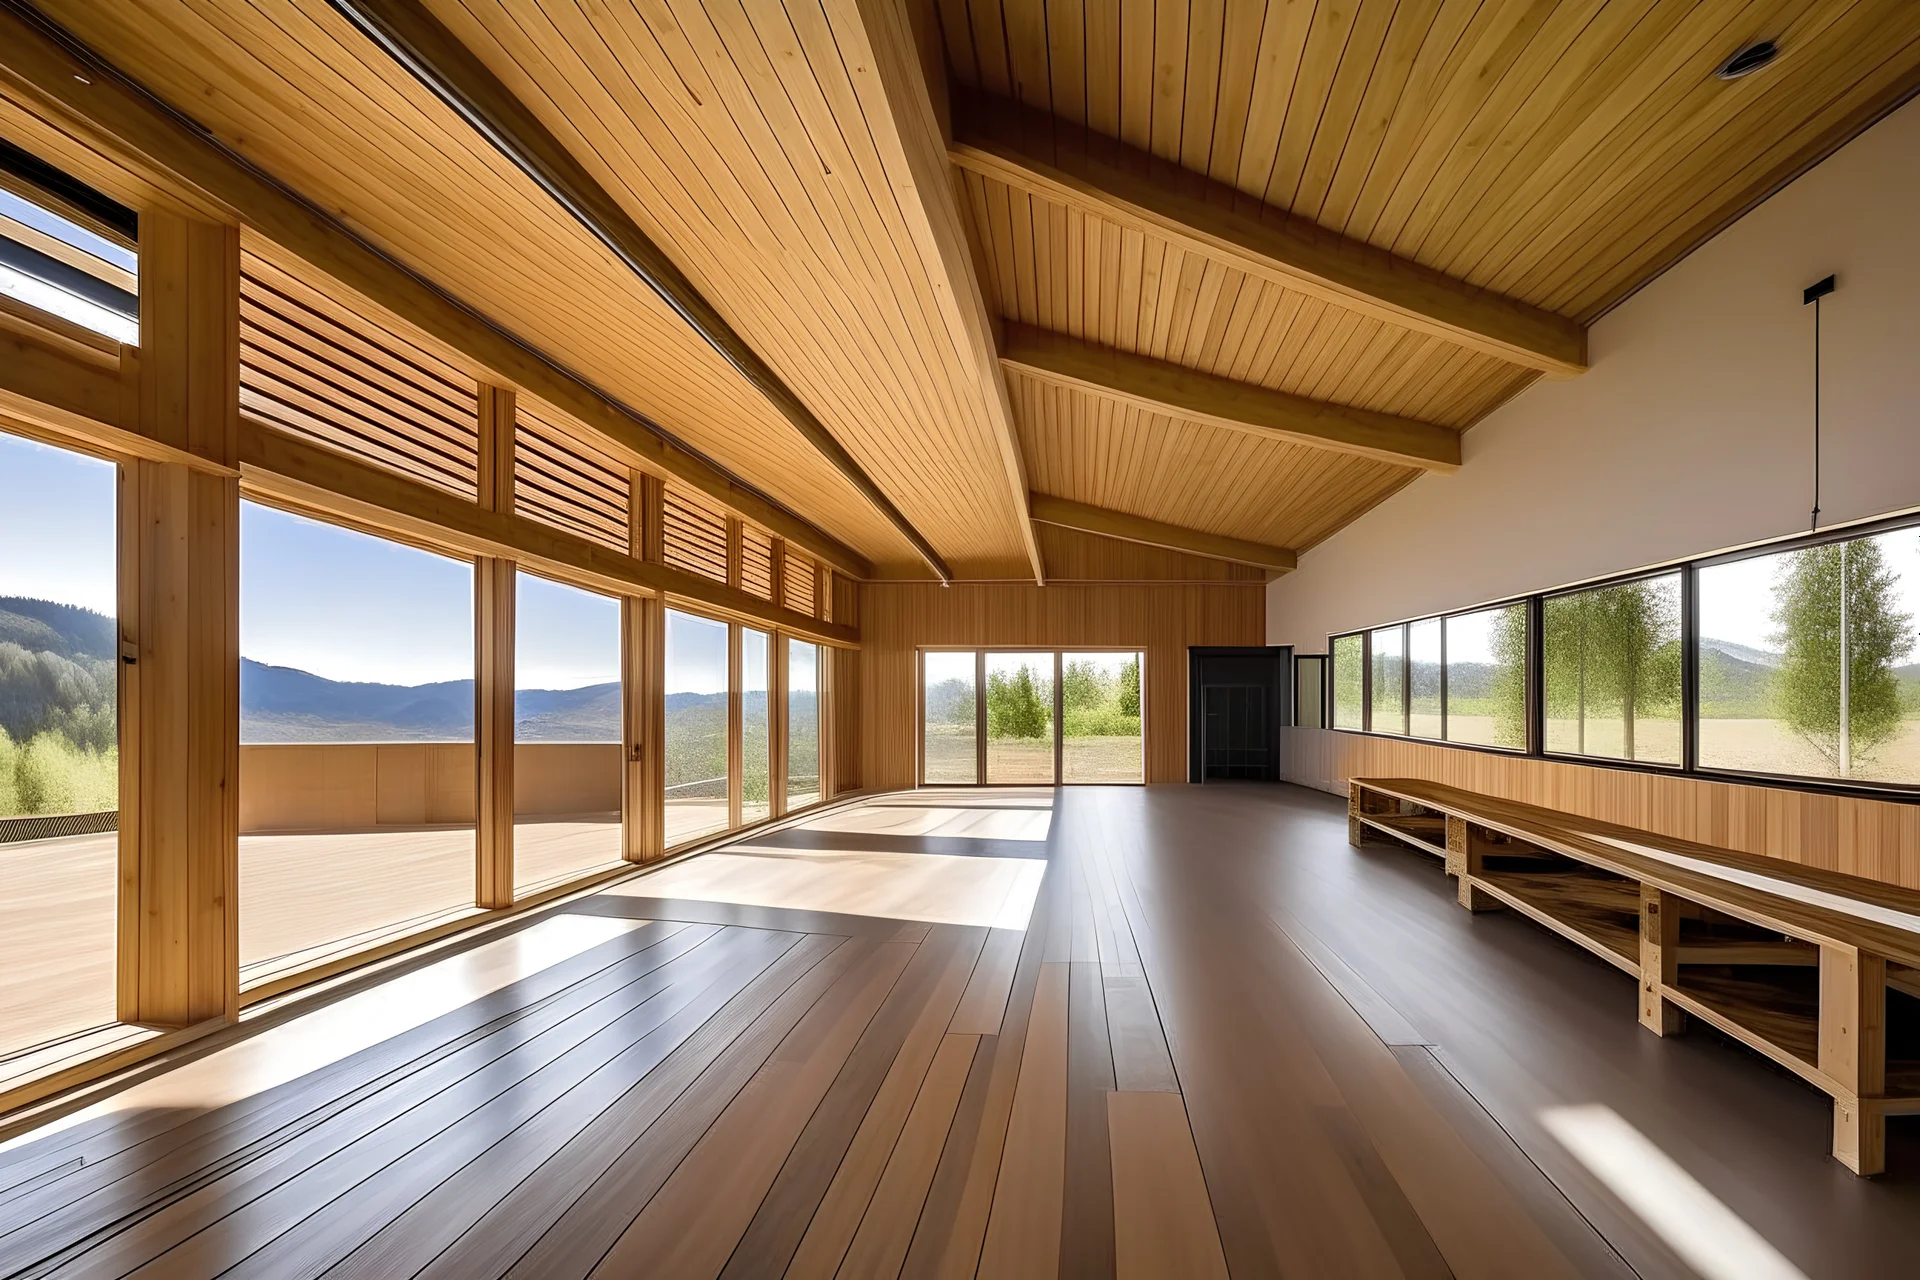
(340, 604)
(57, 525)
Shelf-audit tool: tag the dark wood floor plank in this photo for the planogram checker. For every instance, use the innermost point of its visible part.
(952, 1228)
(116, 1144)
(320, 1194)
(161, 1172)
(1086, 1228)
(778, 1225)
(521, 1215)
(582, 1235)
(692, 1226)
(838, 1216)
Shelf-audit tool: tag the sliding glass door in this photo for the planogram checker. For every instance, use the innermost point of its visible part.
(1031, 717)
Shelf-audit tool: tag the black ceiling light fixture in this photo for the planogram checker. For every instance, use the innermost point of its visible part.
(1748, 59)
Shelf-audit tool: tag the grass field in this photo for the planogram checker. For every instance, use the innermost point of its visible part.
(950, 758)
(1749, 745)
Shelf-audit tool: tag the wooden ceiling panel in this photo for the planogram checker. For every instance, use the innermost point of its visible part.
(1073, 556)
(1556, 152)
(735, 135)
(1088, 277)
(1103, 454)
(289, 85)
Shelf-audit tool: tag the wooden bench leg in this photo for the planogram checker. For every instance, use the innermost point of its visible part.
(1463, 862)
(1853, 1053)
(1356, 831)
(1659, 961)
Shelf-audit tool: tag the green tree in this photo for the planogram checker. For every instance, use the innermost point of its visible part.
(1509, 683)
(1808, 609)
(1130, 687)
(9, 792)
(1014, 707)
(1615, 650)
(1081, 686)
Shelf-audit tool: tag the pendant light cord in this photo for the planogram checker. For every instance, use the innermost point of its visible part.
(1813, 293)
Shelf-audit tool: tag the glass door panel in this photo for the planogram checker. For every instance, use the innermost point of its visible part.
(803, 724)
(1100, 738)
(755, 798)
(696, 741)
(1020, 718)
(59, 742)
(950, 739)
(567, 720)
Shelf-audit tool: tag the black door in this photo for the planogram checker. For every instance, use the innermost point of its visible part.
(1237, 699)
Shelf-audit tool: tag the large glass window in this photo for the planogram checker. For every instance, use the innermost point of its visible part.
(59, 742)
(357, 781)
(1807, 661)
(949, 742)
(1349, 682)
(755, 709)
(1423, 678)
(1612, 677)
(1100, 736)
(803, 724)
(568, 716)
(1487, 677)
(696, 746)
(1388, 711)
(1020, 718)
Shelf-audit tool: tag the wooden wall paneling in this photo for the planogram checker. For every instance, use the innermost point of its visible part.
(561, 479)
(1162, 621)
(847, 722)
(493, 628)
(180, 844)
(1876, 839)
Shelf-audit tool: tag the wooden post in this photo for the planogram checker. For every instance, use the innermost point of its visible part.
(777, 560)
(736, 746)
(777, 719)
(1472, 863)
(1356, 830)
(650, 709)
(736, 551)
(648, 533)
(1659, 960)
(180, 619)
(823, 700)
(493, 603)
(1853, 1053)
(493, 624)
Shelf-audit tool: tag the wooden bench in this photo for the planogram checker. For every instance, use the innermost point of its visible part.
(1794, 961)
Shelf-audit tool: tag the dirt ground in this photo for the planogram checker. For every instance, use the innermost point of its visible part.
(950, 758)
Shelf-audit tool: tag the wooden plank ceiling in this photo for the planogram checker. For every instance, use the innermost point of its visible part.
(1299, 245)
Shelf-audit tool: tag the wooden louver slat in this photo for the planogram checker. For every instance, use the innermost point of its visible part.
(756, 561)
(694, 535)
(799, 585)
(559, 480)
(314, 368)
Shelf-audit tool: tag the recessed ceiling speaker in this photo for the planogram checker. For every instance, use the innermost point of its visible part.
(1748, 59)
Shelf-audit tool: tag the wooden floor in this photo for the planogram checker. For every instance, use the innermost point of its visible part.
(1223, 1042)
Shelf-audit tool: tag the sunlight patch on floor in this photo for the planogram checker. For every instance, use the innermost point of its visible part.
(951, 821)
(931, 887)
(1709, 1237)
(345, 1027)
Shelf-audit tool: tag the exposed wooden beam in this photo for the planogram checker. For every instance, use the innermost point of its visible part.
(66, 77)
(1153, 533)
(318, 481)
(1180, 392)
(904, 113)
(406, 32)
(1083, 170)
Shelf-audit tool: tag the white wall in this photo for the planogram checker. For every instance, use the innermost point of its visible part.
(1692, 431)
